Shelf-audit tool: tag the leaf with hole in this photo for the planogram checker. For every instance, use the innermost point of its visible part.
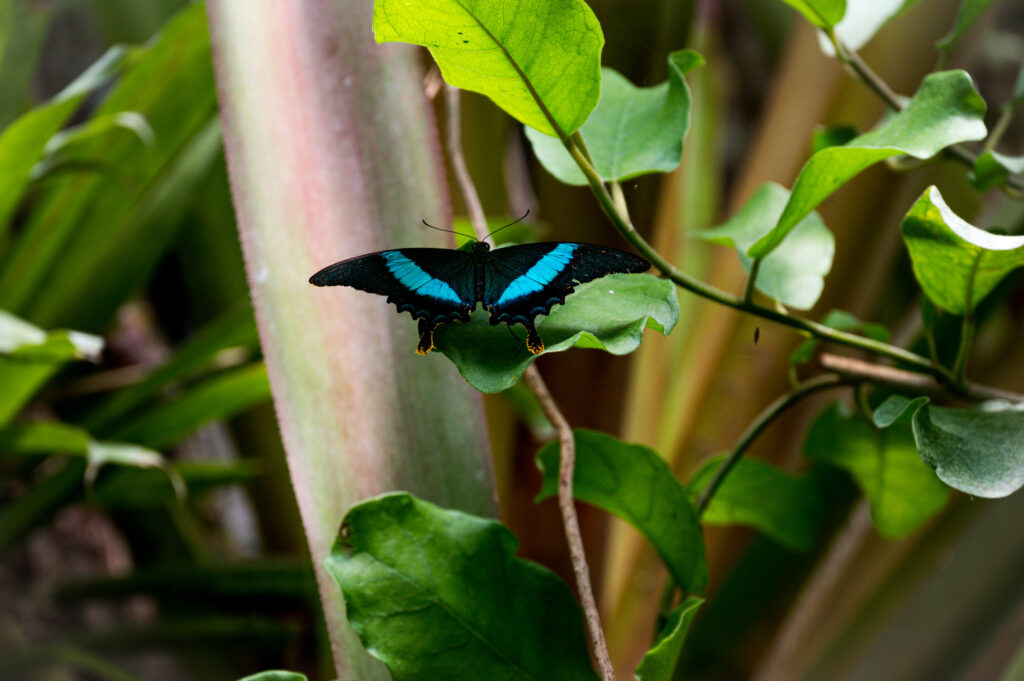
(635, 484)
(439, 594)
(539, 60)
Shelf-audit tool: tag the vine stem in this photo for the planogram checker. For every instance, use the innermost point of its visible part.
(763, 420)
(566, 468)
(694, 285)
(872, 80)
(567, 443)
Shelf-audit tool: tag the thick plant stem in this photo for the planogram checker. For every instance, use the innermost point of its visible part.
(567, 462)
(763, 420)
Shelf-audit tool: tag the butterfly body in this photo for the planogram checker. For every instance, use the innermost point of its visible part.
(515, 284)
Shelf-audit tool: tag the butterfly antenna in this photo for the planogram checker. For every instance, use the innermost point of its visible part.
(452, 231)
(509, 224)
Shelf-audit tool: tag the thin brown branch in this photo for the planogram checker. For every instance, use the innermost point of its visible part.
(907, 380)
(533, 379)
(567, 463)
(469, 194)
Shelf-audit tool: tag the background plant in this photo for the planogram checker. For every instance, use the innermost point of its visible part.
(92, 193)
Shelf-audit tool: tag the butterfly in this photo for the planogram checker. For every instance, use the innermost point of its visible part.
(514, 283)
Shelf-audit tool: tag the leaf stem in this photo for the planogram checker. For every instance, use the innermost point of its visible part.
(866, 75)
(763, 420)
(680, 278)
(966, 329)
(748, 292)
(566, 467)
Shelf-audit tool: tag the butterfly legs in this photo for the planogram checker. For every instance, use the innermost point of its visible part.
(426, 343)
(533, 342)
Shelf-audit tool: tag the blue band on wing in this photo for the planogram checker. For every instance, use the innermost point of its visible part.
(540, 275)
(415, 279)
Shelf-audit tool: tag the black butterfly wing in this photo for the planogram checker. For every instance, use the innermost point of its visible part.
(521, 282)
(435, 284)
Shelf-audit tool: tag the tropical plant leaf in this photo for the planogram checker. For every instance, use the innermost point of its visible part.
(634, 483)
(438, 594)
(979, 450)
(902, 492)
(608, 314)
(991, 169)
(660, 661)
(967, 14)
(954, 260)
(946, 110)
(821, 13)
(786, 508)
(538, 60)
(794, 273)
(633, 131)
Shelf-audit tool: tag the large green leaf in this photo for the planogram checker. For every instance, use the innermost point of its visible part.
(634, 483)
(786, 508)
(438, 594)
(794, 273)
(659, 663)
(633, 131)
(218, 397)
(953, 258)
(901, 490)
(609, 314)
(539, 60)
(966, 15)
(946, 110)
(979, 450)
(821, 13)
(77, 234)
(29, 356)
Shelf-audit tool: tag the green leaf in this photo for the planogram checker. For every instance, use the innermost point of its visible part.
(29, 356)
(833, 136)
(438, 594)
(100, 454)
(946, 110)
(952, 257)
(842, 321)
(23, 142)
(991, 169)
(633, 131)
(979, 450)
(793, 274)
(68, 265)
(218, 397)
(540, 61)
(660, 661)
(43, 437)
(863, 19)
(275, 675)
(902, 492)
(786, 508)
(821, 13)
(966, 15)
(608, 314)
(65, 147)
(126, 487)
(634, 483)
